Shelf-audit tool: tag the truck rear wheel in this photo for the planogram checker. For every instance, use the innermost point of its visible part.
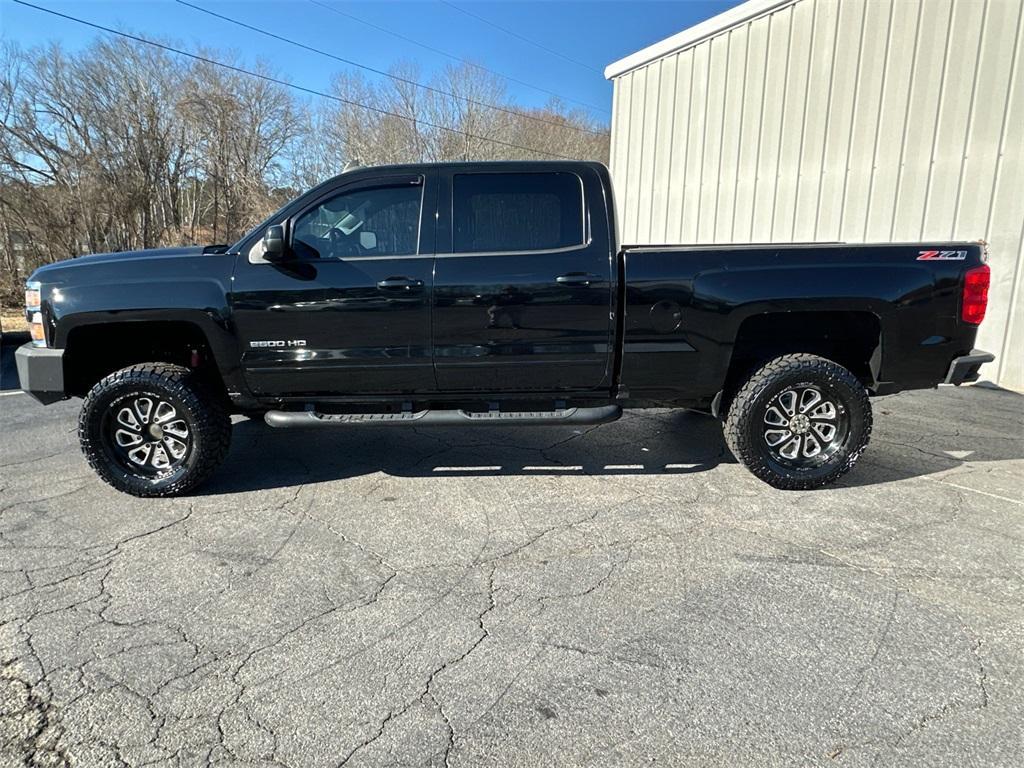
(799, 422)
(153, 430)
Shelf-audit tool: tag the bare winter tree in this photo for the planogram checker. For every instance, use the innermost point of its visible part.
(452, 119)
(242, 127)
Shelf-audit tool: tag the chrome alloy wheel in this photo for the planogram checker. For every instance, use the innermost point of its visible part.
(802, 428)
(149, 435)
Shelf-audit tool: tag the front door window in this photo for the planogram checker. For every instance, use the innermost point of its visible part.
(381, 221)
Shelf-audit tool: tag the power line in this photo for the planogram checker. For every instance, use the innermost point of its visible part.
(516, 35)
(453, 57)
(391, 75)
(285, 83)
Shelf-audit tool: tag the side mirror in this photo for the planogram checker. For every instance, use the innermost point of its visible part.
(273, 243)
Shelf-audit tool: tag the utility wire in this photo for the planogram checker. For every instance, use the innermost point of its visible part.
(453, 57)
(382, 73)
(285, 83)
(516, 35)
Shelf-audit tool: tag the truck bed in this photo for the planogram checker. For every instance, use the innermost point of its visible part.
(688, 308)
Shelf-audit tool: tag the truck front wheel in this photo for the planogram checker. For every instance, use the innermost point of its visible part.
(799, 422)
(153, 430)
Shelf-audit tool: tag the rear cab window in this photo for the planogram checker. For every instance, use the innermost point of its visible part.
(515, 212)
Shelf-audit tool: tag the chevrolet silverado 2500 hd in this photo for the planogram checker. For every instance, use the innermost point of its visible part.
(491, 294)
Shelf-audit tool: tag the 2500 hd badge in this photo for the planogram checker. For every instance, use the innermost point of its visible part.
(279, 343)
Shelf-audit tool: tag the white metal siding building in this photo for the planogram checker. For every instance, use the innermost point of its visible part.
(859, 120)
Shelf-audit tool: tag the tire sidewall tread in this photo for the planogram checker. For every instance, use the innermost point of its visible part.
(207, 418)
(743, 427)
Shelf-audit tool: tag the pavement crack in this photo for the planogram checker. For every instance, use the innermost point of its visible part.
(381, 727)
(427, 692)
(982, 673)
(30, 731)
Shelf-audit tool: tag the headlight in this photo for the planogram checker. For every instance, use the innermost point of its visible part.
(33, 297)
(36, 329)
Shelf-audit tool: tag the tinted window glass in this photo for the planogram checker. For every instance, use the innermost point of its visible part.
(382, 221)
(517, 211)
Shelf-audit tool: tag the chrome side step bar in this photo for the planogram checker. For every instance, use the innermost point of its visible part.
(446, 418)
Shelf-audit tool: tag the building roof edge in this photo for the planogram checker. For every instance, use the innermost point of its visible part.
(735, 16)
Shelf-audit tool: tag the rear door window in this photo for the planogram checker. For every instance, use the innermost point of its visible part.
(503, 212)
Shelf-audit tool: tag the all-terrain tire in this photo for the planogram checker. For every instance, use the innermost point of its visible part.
(199, 417)
(748, 421)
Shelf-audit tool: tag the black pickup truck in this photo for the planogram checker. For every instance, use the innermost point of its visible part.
(490, 294)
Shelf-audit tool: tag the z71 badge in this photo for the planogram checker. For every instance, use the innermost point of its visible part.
(941, 255)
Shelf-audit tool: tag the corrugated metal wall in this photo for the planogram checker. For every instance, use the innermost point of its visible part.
(860, 120)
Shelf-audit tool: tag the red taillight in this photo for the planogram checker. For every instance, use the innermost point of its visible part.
(975, 299)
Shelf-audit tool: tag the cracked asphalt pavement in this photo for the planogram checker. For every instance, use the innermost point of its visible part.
(620, 595)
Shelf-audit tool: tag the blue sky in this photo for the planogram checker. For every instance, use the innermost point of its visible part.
(591, 33)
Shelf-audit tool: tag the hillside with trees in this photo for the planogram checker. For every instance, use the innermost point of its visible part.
(124, 145)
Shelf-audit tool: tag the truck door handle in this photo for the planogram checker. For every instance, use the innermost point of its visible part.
(577, 278)
(407, 283)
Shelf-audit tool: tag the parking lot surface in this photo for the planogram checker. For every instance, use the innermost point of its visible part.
(621, 595)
